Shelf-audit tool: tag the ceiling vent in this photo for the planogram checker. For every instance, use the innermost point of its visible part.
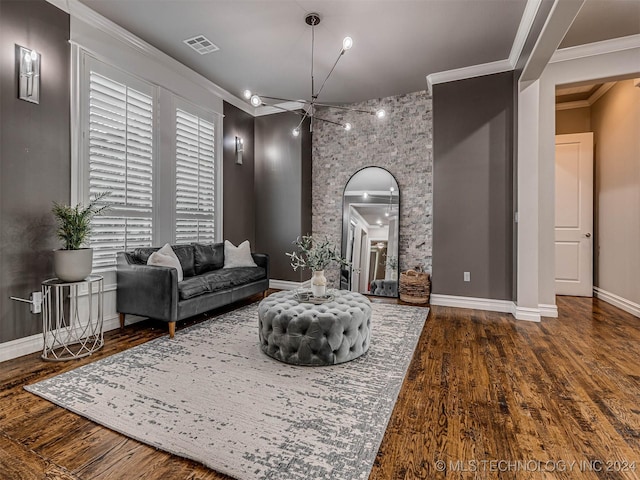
(201, 44)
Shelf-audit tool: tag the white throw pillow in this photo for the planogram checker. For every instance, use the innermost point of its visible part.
(166, 257)
(239, 256)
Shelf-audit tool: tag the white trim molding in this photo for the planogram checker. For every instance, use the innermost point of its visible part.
(278, 108)
(595, 96)
(527, 314)
(504, 306)
(617, 301)
(547, 310)
(597, 48)
(491, 305)
(33, 343)
(528, 17)
(288, 285)
(82, 12)
(468, 72)
(499, 66)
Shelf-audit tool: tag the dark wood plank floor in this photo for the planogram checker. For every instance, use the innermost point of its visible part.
(483, 393)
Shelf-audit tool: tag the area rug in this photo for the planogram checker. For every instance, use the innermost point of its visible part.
(211, 395)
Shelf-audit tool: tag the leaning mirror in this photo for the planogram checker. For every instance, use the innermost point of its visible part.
(370, 232)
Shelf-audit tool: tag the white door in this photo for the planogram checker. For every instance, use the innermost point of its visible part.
(574, 214)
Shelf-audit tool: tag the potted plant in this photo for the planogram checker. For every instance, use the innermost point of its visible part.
(73, 263)
(392, 267)
(316, 255)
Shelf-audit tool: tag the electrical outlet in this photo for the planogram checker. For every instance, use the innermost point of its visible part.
(36, 302)
(467, 276)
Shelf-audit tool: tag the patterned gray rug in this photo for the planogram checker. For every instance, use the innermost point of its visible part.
(211, 395)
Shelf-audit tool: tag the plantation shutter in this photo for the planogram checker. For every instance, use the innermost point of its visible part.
(195, 178)
(120, 161)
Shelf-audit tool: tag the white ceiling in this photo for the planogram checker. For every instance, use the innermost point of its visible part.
(265, 44)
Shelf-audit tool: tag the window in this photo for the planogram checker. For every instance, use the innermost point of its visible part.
(154, 151)
(120, 152)
(195, 178)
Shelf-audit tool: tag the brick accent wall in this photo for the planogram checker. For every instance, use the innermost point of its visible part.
(403, 144)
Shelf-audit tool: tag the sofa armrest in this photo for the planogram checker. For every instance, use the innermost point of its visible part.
(262, 260)
(147, 290)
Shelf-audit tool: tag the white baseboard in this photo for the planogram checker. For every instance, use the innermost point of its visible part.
(617, 301)
(288, 285)
(33, 343)
(526, 313)
(491, 305)
(488, 304)
(548, 310)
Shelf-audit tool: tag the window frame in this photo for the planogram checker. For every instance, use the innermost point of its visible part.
(165, 103)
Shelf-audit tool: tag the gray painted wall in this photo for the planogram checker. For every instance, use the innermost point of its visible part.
(473, 188)
(282, 190)
(35, 166)
(401, 143)
(238, 182)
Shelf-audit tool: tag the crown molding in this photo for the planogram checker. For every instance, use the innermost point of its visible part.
(468, 72)
(528, 17)
(572, 105)
(499, 66)
(279, 108)
(82, 12)
(595, 96)
(597, 48)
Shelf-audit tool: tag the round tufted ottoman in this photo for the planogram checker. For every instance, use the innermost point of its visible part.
(308, 334)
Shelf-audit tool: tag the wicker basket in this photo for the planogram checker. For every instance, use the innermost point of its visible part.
(415, 287)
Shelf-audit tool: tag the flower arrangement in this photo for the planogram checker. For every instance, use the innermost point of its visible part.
(315, 254)
(392, 262)
(74, 223)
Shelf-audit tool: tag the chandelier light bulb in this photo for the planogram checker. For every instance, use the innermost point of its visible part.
(246, 94)
(347, 126)
(386, 214)
(347, 43)
(256, 101)
(381, 113)
(296, 132)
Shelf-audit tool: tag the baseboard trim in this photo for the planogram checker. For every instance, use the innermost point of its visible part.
(526, 313)
(491, 305)
(288, 285)
(33, 343)
(548, 310)
(504, 306)
(617, 301)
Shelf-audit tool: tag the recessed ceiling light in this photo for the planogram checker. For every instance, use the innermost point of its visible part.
(201, 44)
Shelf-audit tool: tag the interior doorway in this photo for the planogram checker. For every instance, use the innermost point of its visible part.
(574, 215)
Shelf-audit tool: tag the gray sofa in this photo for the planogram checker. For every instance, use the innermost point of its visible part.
(153, 291)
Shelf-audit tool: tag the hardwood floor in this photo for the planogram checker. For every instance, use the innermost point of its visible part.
(483, 392)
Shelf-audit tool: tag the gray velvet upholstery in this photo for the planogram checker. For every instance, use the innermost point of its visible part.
(154, 292)
(384, 288)
(307, 334)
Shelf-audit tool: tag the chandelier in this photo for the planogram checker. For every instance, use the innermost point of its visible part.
(309, 107)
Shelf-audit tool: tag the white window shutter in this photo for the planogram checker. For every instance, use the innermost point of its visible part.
(195, 178)
(121, 162)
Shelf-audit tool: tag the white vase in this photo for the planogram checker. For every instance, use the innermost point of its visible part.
(318, 283)
(72, 265)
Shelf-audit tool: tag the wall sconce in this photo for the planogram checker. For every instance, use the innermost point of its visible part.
(28, 62)
(239, 150)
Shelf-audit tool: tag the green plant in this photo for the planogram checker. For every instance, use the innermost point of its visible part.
(74, 223)
(315, 254)
(392, 262)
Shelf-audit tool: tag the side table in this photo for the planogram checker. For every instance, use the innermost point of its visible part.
(72, 317)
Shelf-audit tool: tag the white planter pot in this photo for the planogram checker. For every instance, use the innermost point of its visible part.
(318, 284)
(72, 265)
